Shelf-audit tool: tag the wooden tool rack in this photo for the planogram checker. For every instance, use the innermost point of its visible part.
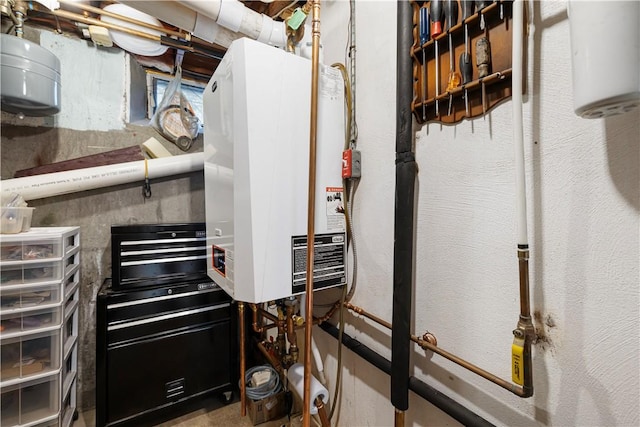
(482, 93)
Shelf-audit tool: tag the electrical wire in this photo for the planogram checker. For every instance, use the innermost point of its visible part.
(290, 5)
(338, 389)
(267, 389)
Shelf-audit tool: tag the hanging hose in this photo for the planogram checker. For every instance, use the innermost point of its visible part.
(265, 390)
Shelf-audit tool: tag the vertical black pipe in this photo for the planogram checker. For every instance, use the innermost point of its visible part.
(406, 170)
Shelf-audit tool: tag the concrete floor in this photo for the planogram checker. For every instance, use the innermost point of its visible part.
(224, 416)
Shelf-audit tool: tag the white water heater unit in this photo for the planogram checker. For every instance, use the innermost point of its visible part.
(256, 135)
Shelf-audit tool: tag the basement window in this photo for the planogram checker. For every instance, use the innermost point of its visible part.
(157, 84)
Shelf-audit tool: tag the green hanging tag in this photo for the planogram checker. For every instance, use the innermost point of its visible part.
(296, 19)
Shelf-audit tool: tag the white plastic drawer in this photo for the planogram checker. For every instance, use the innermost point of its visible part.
(69, 370)
(29, 355)
(14, 298)
(28, 272)
(70, 329)
(71, 302)
(31, 249)
(30, 402)
(71, 262)
(71, 240)
(30, 320)
(71, 282)
(68, 406)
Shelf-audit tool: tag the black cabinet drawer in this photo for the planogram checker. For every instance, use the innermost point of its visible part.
(163, 304)
(151, 373)
(157, 327)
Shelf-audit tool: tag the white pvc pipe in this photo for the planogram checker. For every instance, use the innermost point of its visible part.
(318, 358)
(187, 19)
(518, 133)
(235, 16)
(57, 183)
(314, 347)
(218, 21)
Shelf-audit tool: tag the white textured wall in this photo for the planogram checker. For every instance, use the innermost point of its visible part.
(583, 206)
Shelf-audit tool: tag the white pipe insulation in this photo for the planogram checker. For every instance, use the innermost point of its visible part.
(58, 183)
(218, 21)
(187, 19)
(518, 133)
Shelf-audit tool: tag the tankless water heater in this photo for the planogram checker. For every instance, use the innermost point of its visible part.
(256, 136)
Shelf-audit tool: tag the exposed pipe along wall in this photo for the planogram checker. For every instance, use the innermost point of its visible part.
(401, 381)
(406, 172)
(66, 182)
(313, 133)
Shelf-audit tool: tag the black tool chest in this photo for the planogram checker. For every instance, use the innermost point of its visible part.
(161, 344)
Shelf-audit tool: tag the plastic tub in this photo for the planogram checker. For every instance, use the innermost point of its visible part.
(15, 219)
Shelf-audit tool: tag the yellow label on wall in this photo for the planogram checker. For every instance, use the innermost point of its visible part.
(517, 368)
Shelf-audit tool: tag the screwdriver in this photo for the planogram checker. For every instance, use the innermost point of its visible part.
(481, 4)
(435, 9)
(465, 58)
(467, 71)
(424, 37)
(451, 15)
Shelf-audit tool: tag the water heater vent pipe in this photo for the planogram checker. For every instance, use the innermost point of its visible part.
(217, 21)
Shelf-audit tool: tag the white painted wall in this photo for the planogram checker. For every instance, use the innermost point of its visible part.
(583, 197)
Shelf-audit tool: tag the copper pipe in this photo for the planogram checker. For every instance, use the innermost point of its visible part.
(98, 11)
(92, 21)
(243, 391)
(264, 328)
(281, 345)
(525, 326)
(291, 335)
(322, 413)
(313, 133)
(399, 418)
(513, 388)
(523, 267)
(272, 317)
(272, 360)
(329, 313)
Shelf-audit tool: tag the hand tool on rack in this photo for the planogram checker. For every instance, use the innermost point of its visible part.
(483, 63)
(424, 37)
(435, 9)
(481, 4)
(451, 19)
(466, 69)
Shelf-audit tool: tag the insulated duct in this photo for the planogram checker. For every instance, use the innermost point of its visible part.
(218, 22)
(406, 171)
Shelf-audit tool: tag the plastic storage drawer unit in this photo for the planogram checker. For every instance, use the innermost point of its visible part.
(31, 402)
(29, 355)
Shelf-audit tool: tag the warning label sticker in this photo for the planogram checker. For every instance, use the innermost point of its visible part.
(328, 261)
(335, 209)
